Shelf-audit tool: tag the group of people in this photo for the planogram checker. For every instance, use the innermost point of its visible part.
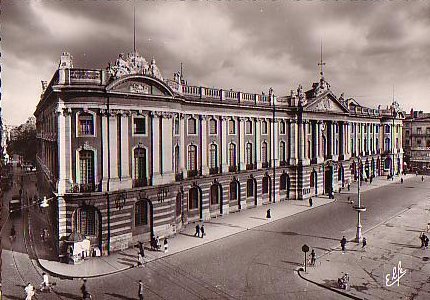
(45, 286)
(200, 230)
(156, 244)
(343, 242)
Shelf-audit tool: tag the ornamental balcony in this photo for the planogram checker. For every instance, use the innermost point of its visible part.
(213, 171)
(140, 182)
(83, 188)
(232, 168)
(192, 173)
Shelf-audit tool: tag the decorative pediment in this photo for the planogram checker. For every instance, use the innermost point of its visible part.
(141, 85)
(326, 103)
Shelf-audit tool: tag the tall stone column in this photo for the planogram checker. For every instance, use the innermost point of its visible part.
(64, 155)
(167, 151)
(347, 141)
(204, 145)
(224, 147)
(320, 150)
(257, 143)
(274, 143)
(341, 140)
(335, 144)
(156, 153)
(293, 142)
(105, 148)
(182, 146)
(113, 151)
(242, 144)
(126, 181)
(301, 141)
(357, 139)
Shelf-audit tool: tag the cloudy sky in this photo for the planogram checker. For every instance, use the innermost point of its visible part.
(369, 46)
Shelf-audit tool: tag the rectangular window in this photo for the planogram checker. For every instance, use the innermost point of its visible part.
(248, 127)
(176, 127)
(428, 130)
(419, 130)
(86, 125)
(213, 126)
(231, 127)
(139, 125)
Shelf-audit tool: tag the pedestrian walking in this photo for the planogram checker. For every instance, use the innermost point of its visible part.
(202, 230)
(84, 290)
(349, 186)
(401, 180)
(166, 245)
(428, 227)
(142, 249)
(343, 244)
(141, 290)
(140, 258)
(310, 201)
(422, 177)
(364, 244)
(29, 291)
(426, 241)
(313, 258)
(371, 179)
(268, 215)
(197, 233)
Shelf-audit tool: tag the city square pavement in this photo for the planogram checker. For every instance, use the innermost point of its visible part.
(216, 229)
(393, 243)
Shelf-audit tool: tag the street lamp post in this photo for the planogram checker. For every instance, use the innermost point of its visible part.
(358, 207)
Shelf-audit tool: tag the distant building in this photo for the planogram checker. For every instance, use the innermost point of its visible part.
(416, 138)
(128, 154)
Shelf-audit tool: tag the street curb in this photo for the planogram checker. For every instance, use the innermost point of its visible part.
(177, 252)
(300, 269)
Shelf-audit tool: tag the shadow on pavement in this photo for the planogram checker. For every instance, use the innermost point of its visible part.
(119, 296)
(291, 263)
(406, 245)
(11, 297)
(330, 283)
(291, 233)
(69, 296)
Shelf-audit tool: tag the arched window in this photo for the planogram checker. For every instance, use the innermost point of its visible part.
(248, 127)
(213, 156)
(192, 157)
(282, 156)
(192, 126)
(86, 124)
(176, 126)
(283, 182)
(140, 175)
(177, 159)
(178, 204)
(312, 179)
(86, 169)
(282, 127)
(387, 128)
(250, 187)
(264, 153)
(193, 198)
(141, 213)
(249, 160)
(213, 126)
(232, 155)
(231, 127)
(234, 189)
(387, 144)
(87, 221)
(264, 127)
(215, 194)
(265, 185)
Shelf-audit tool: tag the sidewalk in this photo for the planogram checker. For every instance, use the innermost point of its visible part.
(394, 241)
(215, 229)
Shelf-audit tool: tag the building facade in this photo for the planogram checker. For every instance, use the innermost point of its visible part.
(127, 154)
(416, 138)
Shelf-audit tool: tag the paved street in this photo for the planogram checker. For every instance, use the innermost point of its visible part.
(254, 264)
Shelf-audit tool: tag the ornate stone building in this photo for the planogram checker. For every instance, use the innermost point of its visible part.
(416, 138)
(128, 154)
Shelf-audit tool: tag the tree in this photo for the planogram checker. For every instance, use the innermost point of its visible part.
(23, 141)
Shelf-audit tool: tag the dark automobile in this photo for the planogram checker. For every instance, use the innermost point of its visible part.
(15, 204)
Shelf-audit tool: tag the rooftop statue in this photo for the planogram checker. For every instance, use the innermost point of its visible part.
(322, 87)
(301, 96)
(132, 64)
(154, 71)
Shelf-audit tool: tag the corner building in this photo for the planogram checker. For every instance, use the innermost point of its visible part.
(126, 154)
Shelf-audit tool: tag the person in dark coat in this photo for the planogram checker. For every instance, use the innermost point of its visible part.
(141, 249)
(313, 258)
(197, 230)
(343, 244)
(202, 230)
(310, 202)
(268, 215)
(364, 244)
(426, 241)
(422, 238)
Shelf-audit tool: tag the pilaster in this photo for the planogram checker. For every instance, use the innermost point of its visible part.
(293, 142)
(242, 144)
(224, 148)
(204, 145)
